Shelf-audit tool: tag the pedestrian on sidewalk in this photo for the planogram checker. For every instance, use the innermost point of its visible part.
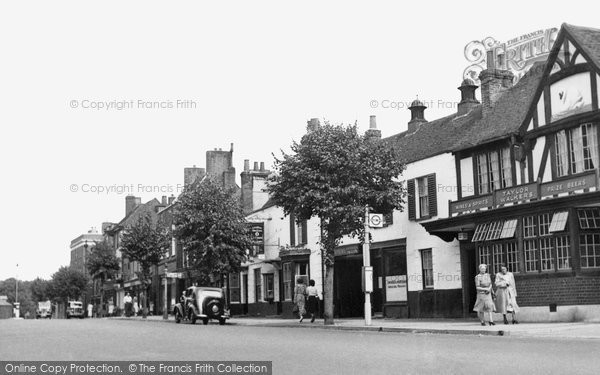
(136, 307)
(300, 298)
(484, 303)
(506, 294)
(313, 300)
(127, 300)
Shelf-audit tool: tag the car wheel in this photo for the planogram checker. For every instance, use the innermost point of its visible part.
(205, 321)
(222, 321)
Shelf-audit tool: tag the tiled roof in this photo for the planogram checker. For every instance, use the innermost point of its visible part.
(507, 114)
(588, 38)
(454, 133)
(433, 137)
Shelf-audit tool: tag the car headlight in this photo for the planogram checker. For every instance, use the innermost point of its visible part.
(215, 308)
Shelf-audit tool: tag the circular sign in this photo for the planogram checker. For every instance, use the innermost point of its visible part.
(376, 220)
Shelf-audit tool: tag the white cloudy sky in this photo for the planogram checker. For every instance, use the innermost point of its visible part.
(257, 71)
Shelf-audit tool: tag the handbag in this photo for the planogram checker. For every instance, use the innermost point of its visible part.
(493, 294)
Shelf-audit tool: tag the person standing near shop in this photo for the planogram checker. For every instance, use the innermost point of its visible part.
(506, 294)
(313, 300)
(300, 298)
(128, 304)
(484, 303)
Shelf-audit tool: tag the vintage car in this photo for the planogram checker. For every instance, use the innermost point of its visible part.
(44, 310)
(75, 310)
(202, 303)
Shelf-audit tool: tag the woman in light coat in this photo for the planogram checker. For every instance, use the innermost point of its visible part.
(506, 294)
(484, 303)
(300, 298)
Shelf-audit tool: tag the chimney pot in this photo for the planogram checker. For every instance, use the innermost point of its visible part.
(372, 122)
(246, 165)
(312, 124)
(262, 166)
(256, 166)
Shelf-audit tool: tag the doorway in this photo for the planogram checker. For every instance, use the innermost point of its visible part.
(348, 296)
(469, 271)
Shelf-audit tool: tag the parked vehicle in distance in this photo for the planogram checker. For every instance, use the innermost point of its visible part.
(202, 303)
(75, 310)
(44, 310)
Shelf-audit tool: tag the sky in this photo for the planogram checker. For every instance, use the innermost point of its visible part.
(121, 96)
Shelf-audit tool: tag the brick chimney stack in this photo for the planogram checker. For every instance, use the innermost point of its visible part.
(131, 203)
(495, 80)
(254, 183)
(191, 175)
(312, 124)
(373, 132)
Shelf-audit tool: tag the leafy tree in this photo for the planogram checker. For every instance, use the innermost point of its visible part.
(102, 261)
(333, 173)
(210, 224)
(67, 284)
(145, 242)
(39, 289)
(102, 264)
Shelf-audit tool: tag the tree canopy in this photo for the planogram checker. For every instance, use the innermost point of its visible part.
(332, 174)
(102, 260)
(210, 224)
(67, 284)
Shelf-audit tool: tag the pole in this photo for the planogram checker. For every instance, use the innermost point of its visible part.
(165, 308)
(367, 263)
(16, 305)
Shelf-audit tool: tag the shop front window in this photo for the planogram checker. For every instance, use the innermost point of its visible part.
(258, 285)
(287, 281)
(269, 286)
(234, 287)
(427, 268)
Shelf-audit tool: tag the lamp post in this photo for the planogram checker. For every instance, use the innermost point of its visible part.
(366, 268)
(17, 285)
(165, 307)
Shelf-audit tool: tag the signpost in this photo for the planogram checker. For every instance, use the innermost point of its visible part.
(371, 221)
(367, 265)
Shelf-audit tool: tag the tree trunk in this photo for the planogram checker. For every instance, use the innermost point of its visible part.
(145, 302)
(328, 295)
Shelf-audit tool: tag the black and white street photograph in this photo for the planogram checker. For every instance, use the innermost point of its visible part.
(319, 187)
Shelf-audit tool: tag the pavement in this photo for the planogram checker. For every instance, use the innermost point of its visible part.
(559, 330)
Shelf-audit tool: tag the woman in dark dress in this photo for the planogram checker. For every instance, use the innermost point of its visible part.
(313, 300)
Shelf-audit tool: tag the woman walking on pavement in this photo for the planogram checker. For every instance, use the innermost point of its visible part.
(300, 298)
(506, 294)
(313, 300)
(484, 303)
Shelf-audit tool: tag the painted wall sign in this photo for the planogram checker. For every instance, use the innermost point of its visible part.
(570, 96)
(257, 234)
(350, 250)
(471, 204)
(517, 194)
(519, 53)
(572, 184)
(395, 288)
